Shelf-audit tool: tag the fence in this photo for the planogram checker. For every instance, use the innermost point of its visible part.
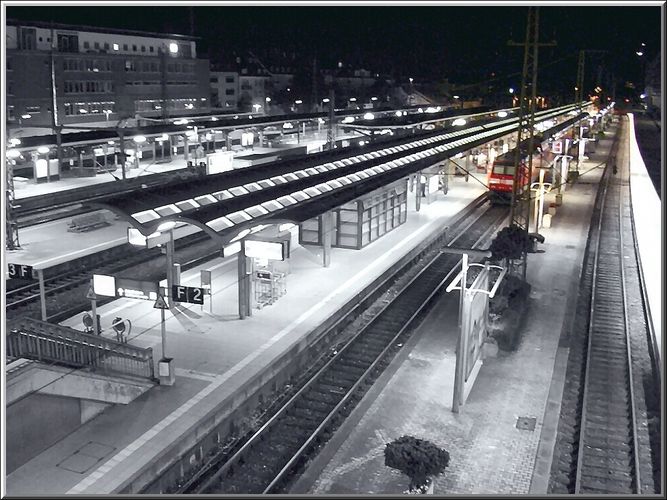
(33, 339)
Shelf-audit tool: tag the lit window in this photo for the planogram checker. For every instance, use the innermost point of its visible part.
(116, 46)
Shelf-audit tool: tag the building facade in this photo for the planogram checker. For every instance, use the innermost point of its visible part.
(100, 75)
(224, 90)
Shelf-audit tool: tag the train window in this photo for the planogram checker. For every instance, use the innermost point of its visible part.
(347, 162)
(312, 171)
(272, 205)
(312, 191)
(356, 159)
(353, 177)
(501, 169)
(252, 186)
(265, 183)
(375, 154)
(344, 181)
(290, 176)
(377, 170)
(369, 172)
(300, 174)
(339, 164)
(321, 169)
(324, 187)
(362, 175)
(334, 184)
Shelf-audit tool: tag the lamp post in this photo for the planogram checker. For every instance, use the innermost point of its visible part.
(411, 97)
(266, 108)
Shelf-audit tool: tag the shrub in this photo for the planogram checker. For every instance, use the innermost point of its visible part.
(416, 458)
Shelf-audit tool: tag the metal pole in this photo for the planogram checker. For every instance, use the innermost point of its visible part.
(458, 374)
(163, 332)
(93, 304)
(42, 293)
(170, 267)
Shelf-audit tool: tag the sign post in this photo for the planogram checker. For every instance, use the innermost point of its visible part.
(93, 303)
(42, 293)
(166, 368)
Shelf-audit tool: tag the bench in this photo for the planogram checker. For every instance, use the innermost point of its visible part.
(88, 222)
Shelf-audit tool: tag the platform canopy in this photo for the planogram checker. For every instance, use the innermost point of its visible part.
(292, 190)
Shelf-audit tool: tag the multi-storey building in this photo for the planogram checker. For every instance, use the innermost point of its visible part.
(225, 89)
(100, 74)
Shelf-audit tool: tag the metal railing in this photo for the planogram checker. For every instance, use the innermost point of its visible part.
(33, 339)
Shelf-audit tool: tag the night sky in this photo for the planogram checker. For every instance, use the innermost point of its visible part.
(465, 44)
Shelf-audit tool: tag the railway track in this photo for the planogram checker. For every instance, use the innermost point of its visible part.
(607, 433)
(607, 458)
(274, 455)
(62, 288)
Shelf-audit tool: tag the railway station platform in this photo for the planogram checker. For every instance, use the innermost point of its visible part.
(25, 188)
(491, 452)
(216, 355)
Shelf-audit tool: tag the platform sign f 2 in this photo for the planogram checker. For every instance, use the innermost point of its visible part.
(189, 294)
(20, 271)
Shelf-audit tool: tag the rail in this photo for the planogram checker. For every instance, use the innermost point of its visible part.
(33, 339)
(608, 458)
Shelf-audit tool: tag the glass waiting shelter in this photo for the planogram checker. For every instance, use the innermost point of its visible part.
(362, 221)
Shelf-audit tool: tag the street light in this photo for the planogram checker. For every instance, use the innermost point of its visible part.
(256, 106)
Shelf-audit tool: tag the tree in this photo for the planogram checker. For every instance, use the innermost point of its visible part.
(417, 458)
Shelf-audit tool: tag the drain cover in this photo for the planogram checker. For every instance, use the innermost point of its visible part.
(86, 457)
(526, 423)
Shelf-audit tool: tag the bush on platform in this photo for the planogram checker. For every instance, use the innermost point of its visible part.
(419, 459)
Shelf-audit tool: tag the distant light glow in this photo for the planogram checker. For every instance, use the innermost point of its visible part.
(14, 141)
(13, 153)
(502, 114)
(115, 46)
(288, 125)
(639, 53)
(26, 116)
(369, 116)
(43, 149)
(173, 48)
(458, 122)
(298, 101)
(139, 139)
(325, 99)
(348, 119)
(353, 99)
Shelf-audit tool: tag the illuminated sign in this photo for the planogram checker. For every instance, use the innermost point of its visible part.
(231, 249)
(104, 285)
(265, 249)
(136, 289)
(219, 162)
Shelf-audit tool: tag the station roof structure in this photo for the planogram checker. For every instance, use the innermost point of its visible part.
(292, 190)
